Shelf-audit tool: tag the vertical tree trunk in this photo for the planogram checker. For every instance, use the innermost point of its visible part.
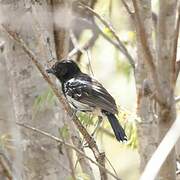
(5, 121)
(166, 31)
(161, 66)
(147, 128)
(37, 156)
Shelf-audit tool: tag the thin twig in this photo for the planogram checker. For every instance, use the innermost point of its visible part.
(4, 161)
(128, 9)
(108, 38)
(111, 166)
(127, 55)
(77, 47)
(121, 45)
(65, 144)
(83, 49)
(89, 66)
(90, 141)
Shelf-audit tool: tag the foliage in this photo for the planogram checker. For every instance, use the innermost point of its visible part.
(64, 131)
(127, 119)
(45, 99)
(87, 119)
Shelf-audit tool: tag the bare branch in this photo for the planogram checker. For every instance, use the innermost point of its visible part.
(127, 55)
(128, 9)
(4, 162)
(82, 49)
(85, 47)
(77, 47)
(121, 45)
(67, 145)
(111, 166)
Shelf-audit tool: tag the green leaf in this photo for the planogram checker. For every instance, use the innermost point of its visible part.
(64, 131)
(86, 119)
(108, 32)
(47, 98)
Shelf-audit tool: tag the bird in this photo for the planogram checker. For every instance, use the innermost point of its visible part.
(85, 94)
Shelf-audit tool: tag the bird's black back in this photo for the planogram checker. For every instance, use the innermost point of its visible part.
(88, 91)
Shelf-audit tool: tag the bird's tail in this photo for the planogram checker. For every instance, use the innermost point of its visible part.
(117, 128)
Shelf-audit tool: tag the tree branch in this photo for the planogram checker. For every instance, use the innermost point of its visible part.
(82, 49)
(4, 162)
(67, 145)
(121, 45)
(128, 9)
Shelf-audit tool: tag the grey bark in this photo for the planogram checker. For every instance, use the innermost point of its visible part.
(5, 121)
(147, 128)
(37, 157)
(156, 120)
(167, 114)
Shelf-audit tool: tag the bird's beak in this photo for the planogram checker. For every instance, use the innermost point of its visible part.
(50, 70)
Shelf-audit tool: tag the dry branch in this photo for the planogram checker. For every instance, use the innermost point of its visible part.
(121, 45)
(128, 9)
(67, 145)
(5, 164)
(82, 49)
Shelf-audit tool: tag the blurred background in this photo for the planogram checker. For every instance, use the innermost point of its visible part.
(25, 97)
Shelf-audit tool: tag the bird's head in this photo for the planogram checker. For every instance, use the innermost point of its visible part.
(64, 70)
